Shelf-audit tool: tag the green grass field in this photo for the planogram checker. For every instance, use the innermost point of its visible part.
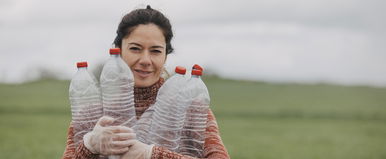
(257, 120)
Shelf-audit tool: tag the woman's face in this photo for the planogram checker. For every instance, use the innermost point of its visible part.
(144, 51)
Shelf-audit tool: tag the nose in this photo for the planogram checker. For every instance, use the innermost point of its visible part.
(145, 59)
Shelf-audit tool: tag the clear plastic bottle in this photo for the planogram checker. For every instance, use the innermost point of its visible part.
(86, 102)
(192, 134)
(117, 84)
(169, 112)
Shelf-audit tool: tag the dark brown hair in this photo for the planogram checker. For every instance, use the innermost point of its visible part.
(144, 16)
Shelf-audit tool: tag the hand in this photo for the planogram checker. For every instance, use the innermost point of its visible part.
(108, 140)
(138, 150)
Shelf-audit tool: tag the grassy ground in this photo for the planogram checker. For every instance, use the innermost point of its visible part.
(257, 120)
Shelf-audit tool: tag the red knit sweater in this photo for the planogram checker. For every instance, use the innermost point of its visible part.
(144, 97)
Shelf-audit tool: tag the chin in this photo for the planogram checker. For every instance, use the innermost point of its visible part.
(145, 83)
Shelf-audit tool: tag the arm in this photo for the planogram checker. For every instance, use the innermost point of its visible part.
(213, 145)
(81, 152)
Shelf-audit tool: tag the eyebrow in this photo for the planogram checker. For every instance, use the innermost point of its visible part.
(156, 46)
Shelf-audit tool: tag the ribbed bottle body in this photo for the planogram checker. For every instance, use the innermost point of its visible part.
(117, 84)
(169, 113)
(86, 103)
(192, 134)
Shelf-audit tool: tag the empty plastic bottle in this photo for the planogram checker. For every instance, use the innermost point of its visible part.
(117, 84)
(192, 134)
(86, 102)
(169, 112)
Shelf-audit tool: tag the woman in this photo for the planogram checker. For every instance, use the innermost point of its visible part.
(144, 36)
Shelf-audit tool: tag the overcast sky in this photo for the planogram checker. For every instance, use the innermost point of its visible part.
(278, 40)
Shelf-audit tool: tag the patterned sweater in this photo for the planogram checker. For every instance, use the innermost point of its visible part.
(144, 97)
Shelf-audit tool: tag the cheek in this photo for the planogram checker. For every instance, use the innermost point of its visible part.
(159, 63)
(129, 60)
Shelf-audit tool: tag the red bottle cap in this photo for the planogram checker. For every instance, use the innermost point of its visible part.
(81, 64)
(197, 67)
(180, 70)
(197, 72)
(115, 51)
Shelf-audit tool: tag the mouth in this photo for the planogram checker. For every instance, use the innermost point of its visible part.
(142, 73)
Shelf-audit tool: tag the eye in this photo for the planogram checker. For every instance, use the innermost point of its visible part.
(156, 51)
(135, 49)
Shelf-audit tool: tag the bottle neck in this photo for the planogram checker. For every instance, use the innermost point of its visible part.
(195, 76)
(115, 55)
(82, 68)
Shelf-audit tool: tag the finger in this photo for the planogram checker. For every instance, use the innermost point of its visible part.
(124, 136)
(119, 151)
(121, 129)
(122, 144)
(105, 121)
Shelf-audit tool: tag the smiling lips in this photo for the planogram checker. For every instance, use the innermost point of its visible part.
(142, 73)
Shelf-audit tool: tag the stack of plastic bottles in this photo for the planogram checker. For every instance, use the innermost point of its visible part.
(117, 84)
(86, 102)
(114, 97)
(176, 121)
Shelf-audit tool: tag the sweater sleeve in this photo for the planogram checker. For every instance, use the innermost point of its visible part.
(80, 152)
(213, 145)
